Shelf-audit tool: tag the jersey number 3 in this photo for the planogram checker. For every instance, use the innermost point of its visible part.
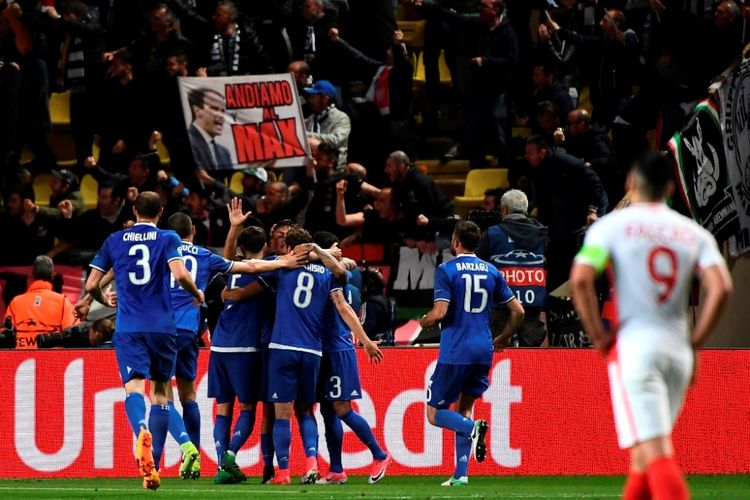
(143, 254)
(662, 266)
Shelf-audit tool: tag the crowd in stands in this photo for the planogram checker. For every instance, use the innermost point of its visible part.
(562, 93)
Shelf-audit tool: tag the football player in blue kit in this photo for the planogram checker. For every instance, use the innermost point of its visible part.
(203, 266)
(235, 365)
(303, 299)
(466, 288)
(146, 341)
(338, 383)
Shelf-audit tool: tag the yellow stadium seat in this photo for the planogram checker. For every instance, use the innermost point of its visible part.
(584, 100)
(42, 190)
(477, 182)
(59, 108)
(236, 183)
(413, 33)
(445, 73)
(419, 74)
(89, 190)
(163, 153)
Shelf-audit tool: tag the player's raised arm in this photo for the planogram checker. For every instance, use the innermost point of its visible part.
(181, 274)
(582, 278)
(242, 294)
(236, 223)
(293, 260)
(331, 262)
(351, 320)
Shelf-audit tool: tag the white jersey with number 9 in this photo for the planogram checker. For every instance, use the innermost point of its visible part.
(654, 254)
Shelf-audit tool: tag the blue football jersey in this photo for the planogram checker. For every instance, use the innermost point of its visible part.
(140, 257)
(241, 324)
(472, 286)
(203, 265)
(338, 336)
(302, 308)
(270, 303)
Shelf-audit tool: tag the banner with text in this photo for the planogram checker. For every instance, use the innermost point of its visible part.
(549, 413)
(735, 112)
(244, 121)
(701, 165)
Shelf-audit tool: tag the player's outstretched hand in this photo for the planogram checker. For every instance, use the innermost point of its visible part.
(236, 217)
(81, 309)
(335, 251)
(500, 343)
(198, 301)
(373, 352)
(298, 257)
(110, 298)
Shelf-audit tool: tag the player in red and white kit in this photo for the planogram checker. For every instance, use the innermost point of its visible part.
(654, 254)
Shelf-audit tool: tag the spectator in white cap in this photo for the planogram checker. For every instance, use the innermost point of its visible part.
(254, 182)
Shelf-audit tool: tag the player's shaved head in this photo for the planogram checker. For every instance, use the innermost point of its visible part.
(252, 239)
(297, 236)
(181, 224)
(148, 204)
(468, 234)
(653, 175)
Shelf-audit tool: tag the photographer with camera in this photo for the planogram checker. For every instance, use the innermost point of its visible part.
(40, 309)
(83, 335)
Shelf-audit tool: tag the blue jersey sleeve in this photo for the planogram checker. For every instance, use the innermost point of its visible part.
(219, 265)
(335, 285)
(442, 285)
(503, 294)
(103, 259)
(172, 246)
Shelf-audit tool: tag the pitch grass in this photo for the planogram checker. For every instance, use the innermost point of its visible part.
(392, 487)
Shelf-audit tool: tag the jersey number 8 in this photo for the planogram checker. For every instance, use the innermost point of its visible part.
(303, 293)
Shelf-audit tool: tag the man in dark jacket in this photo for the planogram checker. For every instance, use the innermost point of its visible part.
(516, 247)
(591, 143)
(486, 59)
(427, 210)
(569, 197)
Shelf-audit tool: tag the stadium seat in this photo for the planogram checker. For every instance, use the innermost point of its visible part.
(59, 109)
(235, 184)
(419, 75)
(445, 73)
(364, 252)
(89, 190)
(42, 190)
(161, 149)
(477, 182)
(413, 34)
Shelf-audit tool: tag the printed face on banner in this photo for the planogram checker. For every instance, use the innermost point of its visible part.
(210, 116)
(241, 121)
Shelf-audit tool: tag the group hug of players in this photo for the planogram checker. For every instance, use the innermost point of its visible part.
(284, 338)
